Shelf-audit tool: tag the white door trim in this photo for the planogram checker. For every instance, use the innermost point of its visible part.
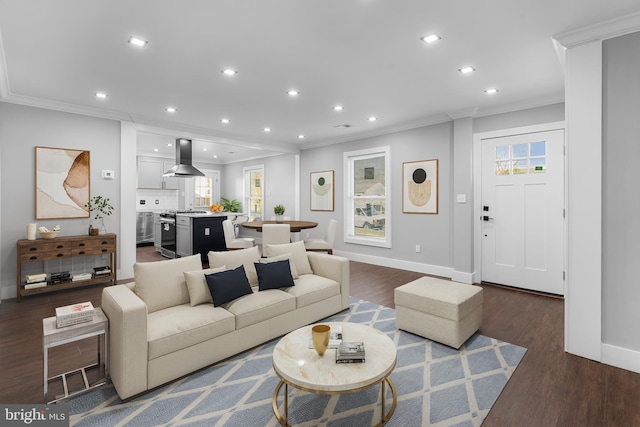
(477, 184)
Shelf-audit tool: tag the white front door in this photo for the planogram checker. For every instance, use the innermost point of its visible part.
(522, 211)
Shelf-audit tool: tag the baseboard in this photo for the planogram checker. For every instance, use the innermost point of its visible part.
(621, 357)
(434, 270)
(462, 277)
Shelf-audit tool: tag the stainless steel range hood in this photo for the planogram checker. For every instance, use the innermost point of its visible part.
(183, 167)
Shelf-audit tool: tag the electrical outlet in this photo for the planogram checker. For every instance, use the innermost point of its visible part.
(417, 249)
(142, 201)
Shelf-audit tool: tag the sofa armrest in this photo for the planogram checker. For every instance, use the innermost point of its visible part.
(128, 347)
(332, 267)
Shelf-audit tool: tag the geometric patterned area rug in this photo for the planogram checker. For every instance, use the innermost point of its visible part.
(436, 386)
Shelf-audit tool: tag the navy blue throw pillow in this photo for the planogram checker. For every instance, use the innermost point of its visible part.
(228, 285)
(274, 275)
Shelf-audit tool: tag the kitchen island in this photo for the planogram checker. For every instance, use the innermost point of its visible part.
(198, 232)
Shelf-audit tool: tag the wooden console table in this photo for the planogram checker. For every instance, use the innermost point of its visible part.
(64, 247)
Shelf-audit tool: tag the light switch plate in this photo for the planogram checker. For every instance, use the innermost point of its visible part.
(107, 174)
(461, 198)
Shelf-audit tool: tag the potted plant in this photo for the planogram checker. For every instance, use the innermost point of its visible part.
(279, 211)
(100, 207)
(230, 205)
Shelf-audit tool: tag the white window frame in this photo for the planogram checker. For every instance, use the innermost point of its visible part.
(349, 158)
(215, 187)
(246, 196)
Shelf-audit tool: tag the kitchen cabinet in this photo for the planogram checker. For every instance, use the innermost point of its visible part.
(150, 173)
(157, 231)
(199, 234)
(183, 236)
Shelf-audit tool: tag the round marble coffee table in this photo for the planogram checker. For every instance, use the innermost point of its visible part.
(301, 367)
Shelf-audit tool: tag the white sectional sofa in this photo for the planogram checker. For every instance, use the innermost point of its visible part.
(164, 325)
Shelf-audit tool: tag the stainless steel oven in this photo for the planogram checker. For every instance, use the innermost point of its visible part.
(168, 234)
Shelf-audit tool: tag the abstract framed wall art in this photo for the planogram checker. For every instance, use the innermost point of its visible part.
(322, 191)
(62, 183)
(420, 187)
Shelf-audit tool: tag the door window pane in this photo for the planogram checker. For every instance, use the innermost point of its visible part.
(538, 149)
(520, 151)
(502, 152)
(538, 165)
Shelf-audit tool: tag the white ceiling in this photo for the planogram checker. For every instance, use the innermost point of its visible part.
(363, 54)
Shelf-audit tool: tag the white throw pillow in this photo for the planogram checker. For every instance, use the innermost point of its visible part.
(289, 256)
(161, 284)
(298, 251)
(197, 285)
(234, 259)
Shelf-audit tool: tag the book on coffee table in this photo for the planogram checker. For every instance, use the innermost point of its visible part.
(74, 314)
(350, 352)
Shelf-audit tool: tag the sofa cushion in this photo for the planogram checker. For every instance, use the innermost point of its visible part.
(233, 259)
(274, 275)
(288, 256)
(310, 289)
(161, 284)
(197, 285)
(228, 285)
(298, 251)
(260, 306)
(182, 326)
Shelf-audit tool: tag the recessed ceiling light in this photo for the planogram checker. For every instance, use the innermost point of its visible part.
(215, 156)
(101, 95)
(372, 118)
(229, 72)
(169, 145)
(293, 92)
(225, 121)
(204, 149)
(338, 108)
(137, 42)
(267, 129)
(491, 91)
(466, 70)
(430, 38)
(156, 150)
(171, 109)
(301, 136)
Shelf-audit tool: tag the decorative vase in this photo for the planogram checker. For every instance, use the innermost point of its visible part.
(103, 229)
(320, 335)
(279, 219)
(93, 231)
(31, 231)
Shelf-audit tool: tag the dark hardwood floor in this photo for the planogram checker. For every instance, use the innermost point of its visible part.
(549, 388)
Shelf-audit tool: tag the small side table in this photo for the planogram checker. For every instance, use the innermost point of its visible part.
(53, 337)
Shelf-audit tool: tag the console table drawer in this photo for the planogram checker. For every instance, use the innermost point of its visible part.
(91, 250)
(43, 256)
(93, 244)
(42, 247)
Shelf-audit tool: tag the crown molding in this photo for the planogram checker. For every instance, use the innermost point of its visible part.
(601, 31)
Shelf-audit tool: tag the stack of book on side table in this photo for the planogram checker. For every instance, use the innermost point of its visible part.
(74, 314)
(350, 352)
(35, 281)
(61, 277)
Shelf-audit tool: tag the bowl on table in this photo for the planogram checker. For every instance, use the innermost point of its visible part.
(48, 234)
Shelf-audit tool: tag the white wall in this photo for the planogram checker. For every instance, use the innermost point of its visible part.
(23, 128)
(621, 203)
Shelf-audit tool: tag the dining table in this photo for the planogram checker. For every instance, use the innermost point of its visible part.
(296, 226)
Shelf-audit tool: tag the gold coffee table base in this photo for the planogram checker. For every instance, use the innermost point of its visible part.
(384, 418)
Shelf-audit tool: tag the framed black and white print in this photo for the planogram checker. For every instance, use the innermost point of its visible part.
(420, 187)
(322, 191)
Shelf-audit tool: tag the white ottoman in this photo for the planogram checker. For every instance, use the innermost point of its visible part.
(441, 310)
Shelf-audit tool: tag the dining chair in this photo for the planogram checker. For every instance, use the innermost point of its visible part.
(230, 239)
(237, 223)
(276, 234)
(326, 244)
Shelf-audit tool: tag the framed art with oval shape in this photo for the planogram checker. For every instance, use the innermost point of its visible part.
(420, 187)
(322, 191)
